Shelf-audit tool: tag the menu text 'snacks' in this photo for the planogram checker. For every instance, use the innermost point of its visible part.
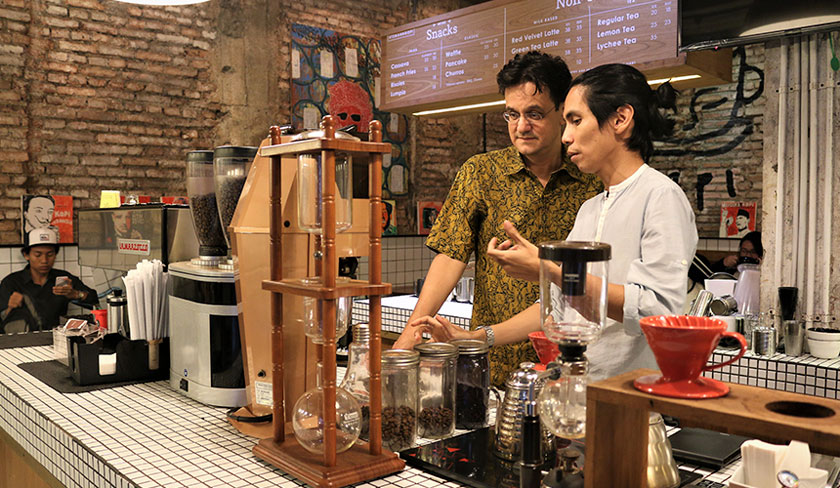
(457, 55)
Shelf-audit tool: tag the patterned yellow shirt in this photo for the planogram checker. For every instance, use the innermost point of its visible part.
(489, 189)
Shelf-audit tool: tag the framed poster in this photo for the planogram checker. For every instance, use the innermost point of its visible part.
(47, 211)
(737, 219)
(427, 213)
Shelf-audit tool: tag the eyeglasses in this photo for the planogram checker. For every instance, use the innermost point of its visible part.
(532, 116)
(748, 252)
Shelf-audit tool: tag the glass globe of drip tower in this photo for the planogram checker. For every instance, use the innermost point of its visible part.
(573, 312)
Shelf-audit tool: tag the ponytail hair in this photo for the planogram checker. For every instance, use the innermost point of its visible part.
(611, 86)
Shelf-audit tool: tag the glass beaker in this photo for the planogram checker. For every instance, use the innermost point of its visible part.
(308, 418)
(313, 312)
(230, 169)
(311, 182)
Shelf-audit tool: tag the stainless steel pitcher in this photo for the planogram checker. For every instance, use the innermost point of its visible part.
(508, 433)
(662, 469)
(117, 313)
(464, 290)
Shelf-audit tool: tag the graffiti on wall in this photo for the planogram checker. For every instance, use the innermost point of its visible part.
(337, 74)
(699, 140)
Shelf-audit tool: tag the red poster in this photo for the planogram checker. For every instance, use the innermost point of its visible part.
(175, 200)
(50, 211)
(427, 213)
(737, 219)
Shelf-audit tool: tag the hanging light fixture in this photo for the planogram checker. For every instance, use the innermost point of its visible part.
(163, 2)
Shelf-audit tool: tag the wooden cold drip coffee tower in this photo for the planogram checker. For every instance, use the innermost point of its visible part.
(363, 461)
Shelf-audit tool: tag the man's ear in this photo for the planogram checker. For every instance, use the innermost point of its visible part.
(622, 121)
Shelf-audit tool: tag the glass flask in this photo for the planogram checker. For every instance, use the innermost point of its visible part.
(230, 169)
(205, 214)
(399, 398)
(562, 402)
(357, 378)
(472, 397)
(573, 290)
(313, 312)
(436, 418)
(308, 418)
(311, 181)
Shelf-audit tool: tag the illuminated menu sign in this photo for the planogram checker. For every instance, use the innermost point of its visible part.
(457, 55)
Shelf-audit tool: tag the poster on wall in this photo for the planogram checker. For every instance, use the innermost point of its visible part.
(389, 218)
(339, 74)
(427, 213)
(47, 211)
(737, 219)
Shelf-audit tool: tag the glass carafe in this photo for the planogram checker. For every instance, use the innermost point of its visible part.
(310, 177)
(562, 402)
(313, 312)
(308, 418)
(357, 378)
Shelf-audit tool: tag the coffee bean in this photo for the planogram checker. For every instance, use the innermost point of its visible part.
(472, 404)
(398, 427)
(206, 220)
(435, 421)
(227, 196)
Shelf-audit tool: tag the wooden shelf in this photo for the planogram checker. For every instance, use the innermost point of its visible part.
(314, 146)
(353, 288)
(615, 410)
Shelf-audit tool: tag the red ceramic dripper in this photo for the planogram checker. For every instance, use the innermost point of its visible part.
(546, 350)
(682, 344)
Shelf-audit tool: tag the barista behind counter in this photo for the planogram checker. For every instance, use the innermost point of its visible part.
(36, 296)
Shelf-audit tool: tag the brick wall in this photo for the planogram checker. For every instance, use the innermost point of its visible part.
(97, 94)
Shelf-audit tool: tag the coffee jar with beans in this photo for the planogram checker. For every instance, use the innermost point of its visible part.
(436, 418)
(399, 398)
(230, 169)
(205, 212)
(472, 396)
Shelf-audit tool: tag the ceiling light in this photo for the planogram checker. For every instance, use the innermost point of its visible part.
(161, 3)
(459, 108)
(673, 79)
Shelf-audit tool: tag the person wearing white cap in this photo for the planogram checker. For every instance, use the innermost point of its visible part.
(36, 296)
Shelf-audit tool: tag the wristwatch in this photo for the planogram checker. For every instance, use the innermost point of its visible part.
(489, 334)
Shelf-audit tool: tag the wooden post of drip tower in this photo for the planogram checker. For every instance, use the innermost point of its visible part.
(362, 461)
(275, 196)
(375, 277)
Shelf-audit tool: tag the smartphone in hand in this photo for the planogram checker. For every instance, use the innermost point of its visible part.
(62, 281)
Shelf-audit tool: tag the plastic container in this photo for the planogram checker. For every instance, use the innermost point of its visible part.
(436, 418)
(230, 169)
(472, 397)
(399, 398)
(202, 193)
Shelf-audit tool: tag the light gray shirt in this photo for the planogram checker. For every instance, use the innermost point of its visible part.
(650, 225)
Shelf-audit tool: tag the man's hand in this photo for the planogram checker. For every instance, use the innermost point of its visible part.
(15, 301)
(66, 291)
(730, 261)
(518, 257)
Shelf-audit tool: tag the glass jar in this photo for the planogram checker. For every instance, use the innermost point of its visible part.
(205, 214)
(313, 312)
(399, 398)
(230, 169)
(308, 418)
(436, 418)
(472, 397)
(357, 378)
(310, 186)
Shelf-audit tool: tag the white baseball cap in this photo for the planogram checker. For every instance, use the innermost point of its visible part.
(37, 237)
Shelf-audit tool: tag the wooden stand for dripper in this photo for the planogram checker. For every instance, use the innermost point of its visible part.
(363, 461)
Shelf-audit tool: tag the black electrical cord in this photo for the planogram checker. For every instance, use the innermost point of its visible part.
(248, 420)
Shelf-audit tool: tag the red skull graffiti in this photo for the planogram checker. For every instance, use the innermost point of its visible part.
(351, 104)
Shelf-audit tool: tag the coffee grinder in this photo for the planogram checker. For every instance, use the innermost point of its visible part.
(205, 347)
(573, 311)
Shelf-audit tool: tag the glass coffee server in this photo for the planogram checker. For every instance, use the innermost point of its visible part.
(363, 460)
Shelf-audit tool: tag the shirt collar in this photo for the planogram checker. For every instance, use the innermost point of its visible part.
(620, 187)
(513, 163)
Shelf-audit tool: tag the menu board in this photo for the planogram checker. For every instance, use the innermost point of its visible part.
(457, 55)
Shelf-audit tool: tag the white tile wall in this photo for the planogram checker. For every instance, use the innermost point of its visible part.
(404, 260)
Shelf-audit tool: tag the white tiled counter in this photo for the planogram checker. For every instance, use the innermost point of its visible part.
(142, 435)
(802, 374)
